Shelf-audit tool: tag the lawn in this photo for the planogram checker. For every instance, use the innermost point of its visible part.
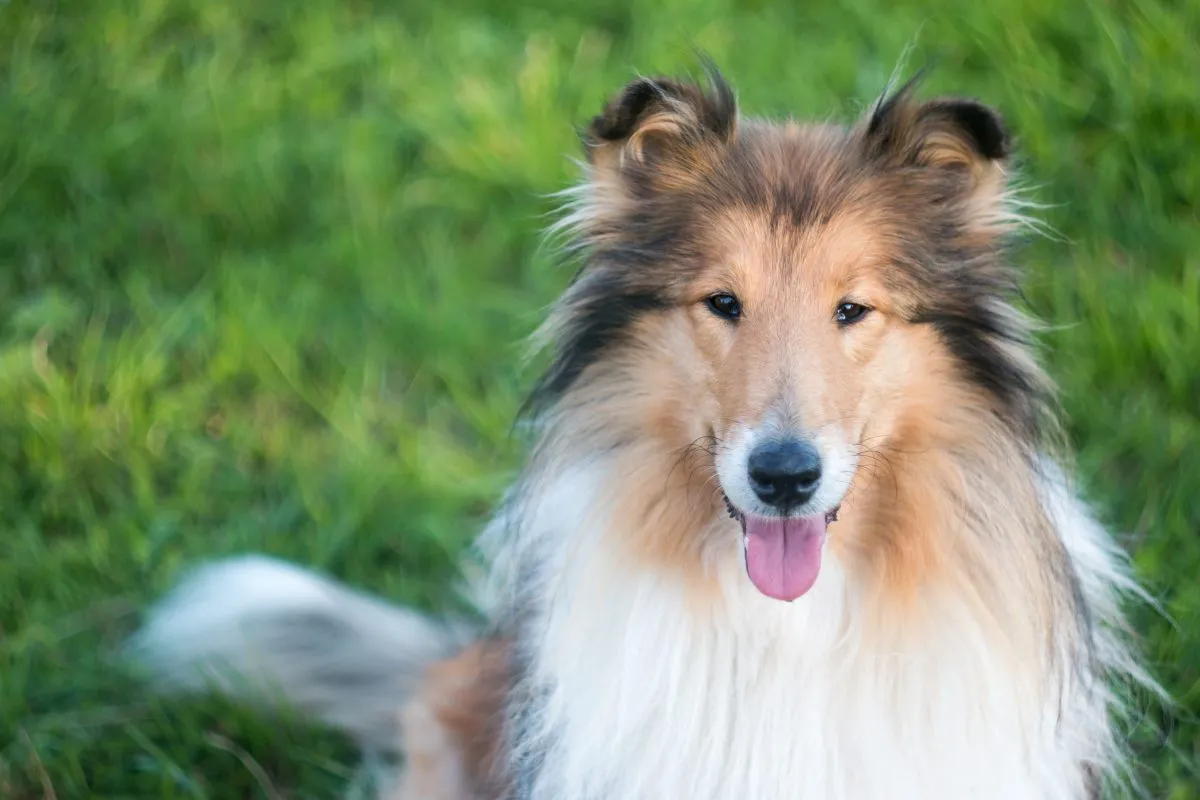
(265, 277)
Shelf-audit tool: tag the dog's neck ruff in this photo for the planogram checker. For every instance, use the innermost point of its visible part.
(644, 691)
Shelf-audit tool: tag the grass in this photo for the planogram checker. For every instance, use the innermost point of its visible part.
(265, 272)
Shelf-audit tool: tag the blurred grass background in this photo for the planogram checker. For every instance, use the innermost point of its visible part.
(265, 272)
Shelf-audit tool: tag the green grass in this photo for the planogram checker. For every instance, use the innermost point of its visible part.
(264, 277)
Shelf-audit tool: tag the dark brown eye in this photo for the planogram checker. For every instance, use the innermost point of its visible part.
(850, 313)
(725, 306)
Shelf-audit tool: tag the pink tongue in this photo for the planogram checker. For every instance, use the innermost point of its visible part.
(783, 556)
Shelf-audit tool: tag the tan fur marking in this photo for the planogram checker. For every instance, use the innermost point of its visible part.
(452, 728)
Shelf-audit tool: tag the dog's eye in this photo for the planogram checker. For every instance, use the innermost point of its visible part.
(725, 305)
(850, 313)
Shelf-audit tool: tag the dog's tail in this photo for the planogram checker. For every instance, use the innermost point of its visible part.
(275, 635)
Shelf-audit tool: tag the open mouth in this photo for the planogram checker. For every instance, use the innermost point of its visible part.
(782, 554)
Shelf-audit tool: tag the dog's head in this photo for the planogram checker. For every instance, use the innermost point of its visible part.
(788, 294)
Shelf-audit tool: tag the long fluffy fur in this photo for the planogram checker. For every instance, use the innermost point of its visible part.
(278, 635)
(642, 695)
(965, 638)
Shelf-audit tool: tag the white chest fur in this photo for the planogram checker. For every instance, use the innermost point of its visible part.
(652, 696)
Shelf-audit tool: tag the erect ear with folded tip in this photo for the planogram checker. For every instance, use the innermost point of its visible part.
(660, 123)
(943, 132)
(958, 148)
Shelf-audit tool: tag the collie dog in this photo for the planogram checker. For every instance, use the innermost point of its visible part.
(794, 522)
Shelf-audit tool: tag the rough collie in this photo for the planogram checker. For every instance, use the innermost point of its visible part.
(793, 525)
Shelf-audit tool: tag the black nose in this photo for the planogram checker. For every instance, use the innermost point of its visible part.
(784, 473)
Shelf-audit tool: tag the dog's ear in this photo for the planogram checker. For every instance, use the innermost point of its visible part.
(654, 121)
(946, 132)
(959, 150)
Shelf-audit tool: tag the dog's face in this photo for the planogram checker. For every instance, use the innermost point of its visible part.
(779, 291)
(794, 328)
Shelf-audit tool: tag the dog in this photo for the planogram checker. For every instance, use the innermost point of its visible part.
(797, 520)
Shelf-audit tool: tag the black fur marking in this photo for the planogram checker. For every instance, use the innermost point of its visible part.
(881, 125)
(963, 293)
(898, 116)
(599, 321)
(983, 126)
(715, 109)
(622, 280)
(621, 117)
(977, 341)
